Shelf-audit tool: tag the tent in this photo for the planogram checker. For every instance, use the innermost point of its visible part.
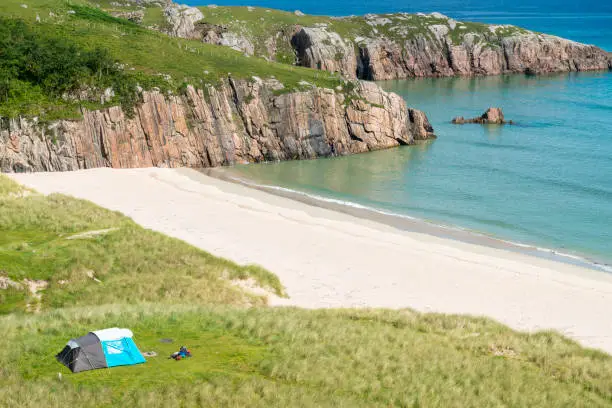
(100, 349)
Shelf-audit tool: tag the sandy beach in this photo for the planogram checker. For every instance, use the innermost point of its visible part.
(330, 259)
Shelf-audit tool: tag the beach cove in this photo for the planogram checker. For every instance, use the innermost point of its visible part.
(327, 259)
(541, 183)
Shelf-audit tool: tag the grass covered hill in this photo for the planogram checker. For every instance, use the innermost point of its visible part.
(58, 56)
(260, 26)
(373, 46)
(68, 267)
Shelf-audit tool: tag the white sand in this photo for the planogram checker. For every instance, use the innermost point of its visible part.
(329, 259)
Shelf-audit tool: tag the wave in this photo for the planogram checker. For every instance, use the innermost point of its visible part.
(566, 257)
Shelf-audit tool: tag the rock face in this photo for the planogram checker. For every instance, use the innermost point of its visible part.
(493, 116)
(182, 19)
(237, 42)
(320, 49)
(240, 121)
(438, 55)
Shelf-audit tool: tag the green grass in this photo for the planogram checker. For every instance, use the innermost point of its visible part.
(131, 264)
(154, 17)
(150, 58)
(260, 25)
(291, 357)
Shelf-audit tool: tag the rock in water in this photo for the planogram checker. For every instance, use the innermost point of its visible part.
(493, 116)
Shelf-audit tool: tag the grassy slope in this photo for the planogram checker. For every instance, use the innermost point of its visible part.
(162, 288)
(132, 264)
(259, 24)
(148, 52)
(291, 357)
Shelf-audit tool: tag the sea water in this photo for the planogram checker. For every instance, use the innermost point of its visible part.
(545, 181)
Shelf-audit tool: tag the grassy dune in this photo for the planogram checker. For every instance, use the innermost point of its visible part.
(290, 357)
(162, 288)
(90, 256)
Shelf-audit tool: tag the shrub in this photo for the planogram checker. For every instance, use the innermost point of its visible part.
(38, 73)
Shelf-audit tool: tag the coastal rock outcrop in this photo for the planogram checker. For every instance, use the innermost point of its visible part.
(386, 46)
(440, 55)
(492, 116)
(238, 121)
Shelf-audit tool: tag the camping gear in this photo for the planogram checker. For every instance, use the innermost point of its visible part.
(100, 349)
(181, 354)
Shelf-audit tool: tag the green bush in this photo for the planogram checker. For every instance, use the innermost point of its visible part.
(56, 65)
(41, 74)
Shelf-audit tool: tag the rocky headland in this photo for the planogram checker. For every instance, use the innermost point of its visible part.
(383, 46)
(237, 121)
(252, 120)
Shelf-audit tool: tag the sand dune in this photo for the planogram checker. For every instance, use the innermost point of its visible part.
(329, 259)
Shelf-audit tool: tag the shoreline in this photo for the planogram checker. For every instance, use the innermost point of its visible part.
(329, 259)
(414, 224)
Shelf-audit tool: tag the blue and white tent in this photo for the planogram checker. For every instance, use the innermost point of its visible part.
(101, 349)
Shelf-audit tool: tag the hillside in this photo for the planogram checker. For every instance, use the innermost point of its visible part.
(377, 46)
(123, 275)
(81, 89)
(126, 56)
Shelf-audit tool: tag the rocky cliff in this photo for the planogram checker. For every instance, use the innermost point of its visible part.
(390, 46)
(237, 121)
(440, 50)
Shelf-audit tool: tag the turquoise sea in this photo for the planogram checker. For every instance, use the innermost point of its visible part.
(544, 182)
